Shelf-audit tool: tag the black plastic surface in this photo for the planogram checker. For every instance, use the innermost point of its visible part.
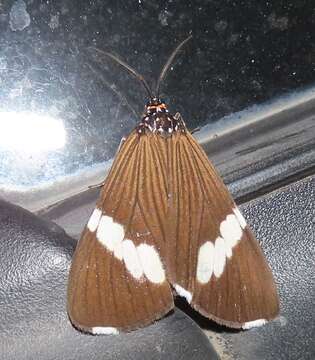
(34, 261)
(284, 221)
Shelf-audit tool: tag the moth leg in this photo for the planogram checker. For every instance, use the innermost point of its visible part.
(123, 139)
(196, 129)
(178, 117)
(99, 185)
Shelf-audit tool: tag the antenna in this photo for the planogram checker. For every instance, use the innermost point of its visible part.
(140, 77)
(127, 67)
(168, 63)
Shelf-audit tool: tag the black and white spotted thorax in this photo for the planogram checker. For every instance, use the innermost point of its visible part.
(157, 119)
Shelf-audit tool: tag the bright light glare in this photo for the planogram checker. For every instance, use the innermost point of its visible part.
(30, 132)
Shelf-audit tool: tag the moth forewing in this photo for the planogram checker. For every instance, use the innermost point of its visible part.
(214, 258)
(117, 280)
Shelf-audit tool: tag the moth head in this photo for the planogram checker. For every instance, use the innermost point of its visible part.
(155, 105)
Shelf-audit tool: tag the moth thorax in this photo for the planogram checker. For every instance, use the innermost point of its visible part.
(157, 119)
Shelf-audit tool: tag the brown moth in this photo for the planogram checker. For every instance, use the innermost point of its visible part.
(165, 221)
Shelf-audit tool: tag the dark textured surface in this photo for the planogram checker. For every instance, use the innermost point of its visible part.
(285, 222)
(263, 151)
(34, 261)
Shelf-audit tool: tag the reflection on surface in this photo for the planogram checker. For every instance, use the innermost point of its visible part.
(31, 133)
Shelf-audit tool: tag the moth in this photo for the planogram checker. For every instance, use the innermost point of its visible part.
(165, 222)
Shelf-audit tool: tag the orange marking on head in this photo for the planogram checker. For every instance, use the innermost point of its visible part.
(157, 107)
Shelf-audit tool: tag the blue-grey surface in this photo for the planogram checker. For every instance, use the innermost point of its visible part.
(242, 53)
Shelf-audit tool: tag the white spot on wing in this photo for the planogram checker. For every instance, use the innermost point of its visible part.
(151, 263)
(131, 259)
(110, 234)
(118, 250)
(183, 293)
(228, 248)
(212, 256)
(219, 257)
(255, 323)
(98, 330)
(139, 261)
(231, 230)
(205, 262)
(240, 218)
(94, 220)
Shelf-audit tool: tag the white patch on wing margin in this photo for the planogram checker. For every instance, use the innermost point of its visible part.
(183, 293)
(99, 330)
(254, 323)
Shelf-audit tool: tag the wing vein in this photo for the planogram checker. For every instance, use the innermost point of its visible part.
(136, 201)
(142, 157)
(179, 171)
(119, 166)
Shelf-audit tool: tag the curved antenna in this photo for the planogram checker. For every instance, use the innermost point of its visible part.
(121, 96)
(168, 63)
(127, 67)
